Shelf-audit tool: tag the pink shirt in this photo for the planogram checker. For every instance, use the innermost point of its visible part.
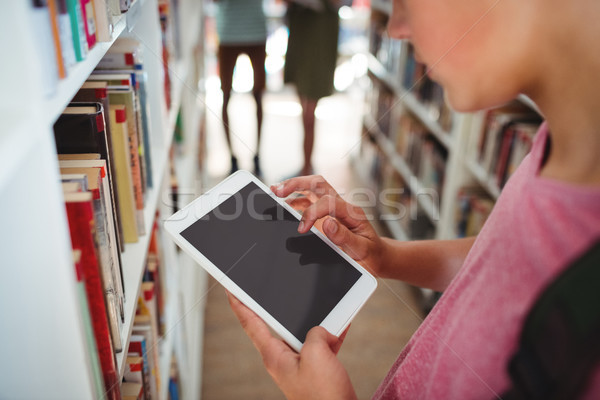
(462, 348)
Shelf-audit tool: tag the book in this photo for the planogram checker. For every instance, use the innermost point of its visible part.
(127, 98)
(70, 187)
(79, 179)
(105, 252)
(174, 387)
(81, 129)
(524, 134)
(80, 215)
(122, 155)
(134, 79)
(134, 372)
(89, 22)
(60, 64)
(132, 391)
(110, 255)
(104, 24)
(138, 346)
(473, 206)
(90, 340)
(155, 273)
(67, 48)
(96, 91)
(147, 306)
(123, 81)
(142, 326)
(80, 43)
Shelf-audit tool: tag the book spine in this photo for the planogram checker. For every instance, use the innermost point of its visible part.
(104, 26)
(77, 29)
(81, 226)
(136, 176)
(138, 345)
(66, 36)
(53, 8)
(120, 141)
(142, 79)
(88, 327)
(114, 303)
(89, 22)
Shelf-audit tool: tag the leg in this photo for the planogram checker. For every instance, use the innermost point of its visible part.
(227, 58)
(308, 119)
(257, 55)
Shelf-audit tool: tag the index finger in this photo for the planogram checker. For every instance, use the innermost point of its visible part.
(314, 184)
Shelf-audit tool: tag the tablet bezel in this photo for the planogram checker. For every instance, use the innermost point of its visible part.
(338, 318)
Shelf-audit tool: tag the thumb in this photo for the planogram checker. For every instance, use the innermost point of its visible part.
(340, 235)
(320, 338)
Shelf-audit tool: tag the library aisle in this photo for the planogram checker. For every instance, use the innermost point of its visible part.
(232, 368)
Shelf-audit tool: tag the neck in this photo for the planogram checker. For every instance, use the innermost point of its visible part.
(568, 95)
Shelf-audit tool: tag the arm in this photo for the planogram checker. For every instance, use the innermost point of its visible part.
(425, 263)
(430, 263)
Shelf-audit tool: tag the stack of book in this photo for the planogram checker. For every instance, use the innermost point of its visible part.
(473, 207)
(382, 101)
(425, 156)
(504, 140)
(142, 375)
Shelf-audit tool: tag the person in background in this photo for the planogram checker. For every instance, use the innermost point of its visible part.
(241, 27)
(484, 54)
(310, 60)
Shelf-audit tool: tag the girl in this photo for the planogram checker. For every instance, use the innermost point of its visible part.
(484, 53)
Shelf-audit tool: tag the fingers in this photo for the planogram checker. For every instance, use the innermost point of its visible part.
(313, 184)
(299, 203)
(335, 206)
(271, 349)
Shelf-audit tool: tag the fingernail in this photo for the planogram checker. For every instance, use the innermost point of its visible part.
(333, 226)
(277, 186)
(301, 226)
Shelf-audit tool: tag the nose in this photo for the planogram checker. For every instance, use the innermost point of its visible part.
(397, 26)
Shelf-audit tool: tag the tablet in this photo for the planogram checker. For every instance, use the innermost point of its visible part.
(247, 239)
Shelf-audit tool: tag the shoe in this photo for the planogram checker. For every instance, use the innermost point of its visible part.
(257, 170)
(234, 165)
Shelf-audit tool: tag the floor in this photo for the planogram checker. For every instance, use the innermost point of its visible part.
(232, 368)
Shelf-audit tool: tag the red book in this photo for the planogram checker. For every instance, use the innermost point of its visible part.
(80, 213)
(89, 22)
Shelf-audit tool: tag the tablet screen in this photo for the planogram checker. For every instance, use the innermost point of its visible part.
(297, 278)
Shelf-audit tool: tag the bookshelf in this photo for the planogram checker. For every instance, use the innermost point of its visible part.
(421, 146)
(43, 348)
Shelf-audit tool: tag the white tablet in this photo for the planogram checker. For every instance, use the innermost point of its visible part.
(247, 239)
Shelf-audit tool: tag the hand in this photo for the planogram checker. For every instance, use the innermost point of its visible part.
(315, 373)
(346, 225)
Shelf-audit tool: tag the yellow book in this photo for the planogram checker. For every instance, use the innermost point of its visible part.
(120, 144)
(127, 98)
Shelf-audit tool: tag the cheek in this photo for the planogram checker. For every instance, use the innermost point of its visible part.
(464, 62)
